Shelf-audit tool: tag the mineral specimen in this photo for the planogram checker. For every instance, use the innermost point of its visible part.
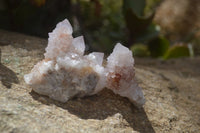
(121, 75)
(66, 72)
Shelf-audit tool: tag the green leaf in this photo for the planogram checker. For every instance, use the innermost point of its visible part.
(177, 51)
(137, 6)
(137, 25)
(158, 46)
(140, 50)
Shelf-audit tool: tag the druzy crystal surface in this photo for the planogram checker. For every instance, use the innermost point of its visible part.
(66, 72)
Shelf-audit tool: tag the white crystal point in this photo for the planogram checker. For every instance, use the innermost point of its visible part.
(60, 40)
(121, 56)
(65, 26)
(121, 75)
(96, 57)
(133, 93)
(79, 44)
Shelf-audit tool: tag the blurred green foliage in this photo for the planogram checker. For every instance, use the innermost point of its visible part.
(177, 51)
(142, 30)
(31, 16)
(140, 50)
(158, 46)
(102, 22)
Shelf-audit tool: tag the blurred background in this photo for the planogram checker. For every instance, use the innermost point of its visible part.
(151, 28)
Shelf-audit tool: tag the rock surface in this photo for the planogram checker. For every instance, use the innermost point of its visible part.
(171, 89)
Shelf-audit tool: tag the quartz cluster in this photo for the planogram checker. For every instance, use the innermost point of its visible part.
(66, 72)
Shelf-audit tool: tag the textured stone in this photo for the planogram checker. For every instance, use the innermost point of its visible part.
(172, 97)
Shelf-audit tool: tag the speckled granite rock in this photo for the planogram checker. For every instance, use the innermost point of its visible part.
(172, 97)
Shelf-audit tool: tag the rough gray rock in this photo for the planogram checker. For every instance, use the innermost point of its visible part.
(171, 89)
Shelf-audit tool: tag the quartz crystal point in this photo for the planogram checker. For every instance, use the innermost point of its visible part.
(66, 72)
(121, 75)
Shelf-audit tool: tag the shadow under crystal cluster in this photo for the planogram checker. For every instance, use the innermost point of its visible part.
(66, 72)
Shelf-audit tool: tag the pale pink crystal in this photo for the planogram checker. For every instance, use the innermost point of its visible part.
(66, 72)
(121, 75)
(59, 42)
